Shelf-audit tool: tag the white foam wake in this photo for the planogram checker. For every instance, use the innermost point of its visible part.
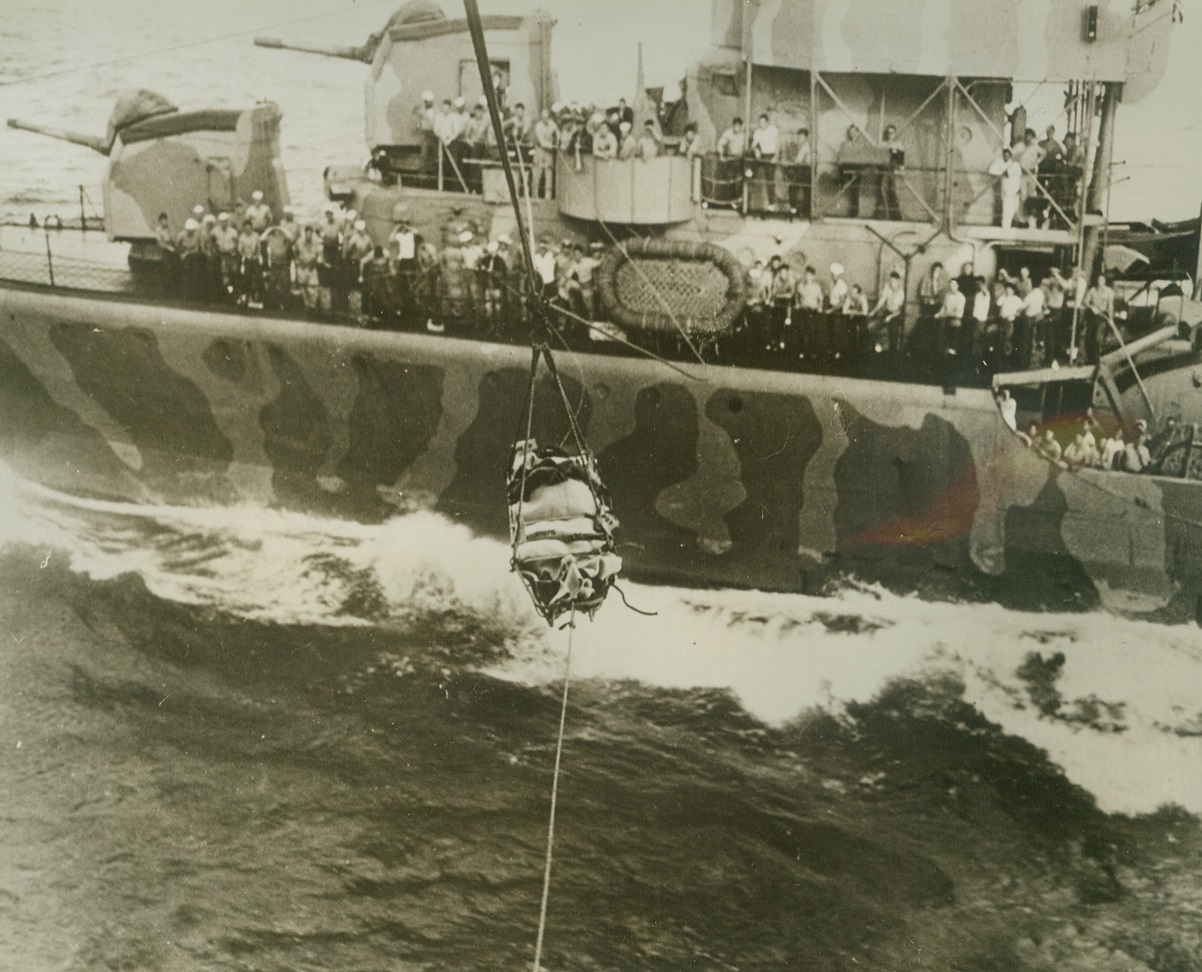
(1126, 724)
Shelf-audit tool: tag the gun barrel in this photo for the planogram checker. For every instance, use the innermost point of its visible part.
(347, 53)
(95, 143)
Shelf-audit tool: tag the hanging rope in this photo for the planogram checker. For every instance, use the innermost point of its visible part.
(563, 715)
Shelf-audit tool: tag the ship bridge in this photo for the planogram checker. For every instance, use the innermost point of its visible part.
(907, 106)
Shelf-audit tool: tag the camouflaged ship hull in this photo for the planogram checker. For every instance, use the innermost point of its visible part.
(742, 477)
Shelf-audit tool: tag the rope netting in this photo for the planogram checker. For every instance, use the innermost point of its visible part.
(695, 291)
(680, 286)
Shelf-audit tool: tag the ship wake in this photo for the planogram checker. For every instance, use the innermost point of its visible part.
(1114, 702)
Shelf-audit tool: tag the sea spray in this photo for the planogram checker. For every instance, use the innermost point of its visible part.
(1114, 702)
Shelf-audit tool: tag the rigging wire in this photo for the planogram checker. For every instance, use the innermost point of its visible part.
(563, 715)
(610, 335)
(494, 113)
(29, 78)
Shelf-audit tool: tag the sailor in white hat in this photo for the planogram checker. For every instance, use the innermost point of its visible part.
(187, 245)
(473, 252)
(425, 115)
(259, 213)
(836, 296)
(225, 242)
(198, 211)
(357, 250)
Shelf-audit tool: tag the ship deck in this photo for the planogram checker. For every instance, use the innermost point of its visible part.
(88, 264)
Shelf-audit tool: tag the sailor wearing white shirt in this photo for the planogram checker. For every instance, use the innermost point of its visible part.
(950, 316)
(1030, 319)
(403, 242)
(765, 143)
(544, 266)
(1010, 175)
(446, 124)
(838, 292)
(1009, 307)
(889, 313)
(733, 141)
(980, 304)
(258, 212)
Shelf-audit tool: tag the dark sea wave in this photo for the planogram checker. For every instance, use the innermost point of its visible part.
(356, 774)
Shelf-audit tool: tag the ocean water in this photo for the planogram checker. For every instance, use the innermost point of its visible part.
(249, 739)
(237, 738)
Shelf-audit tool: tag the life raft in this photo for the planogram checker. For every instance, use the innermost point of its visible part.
(562, 529)
(670, 285)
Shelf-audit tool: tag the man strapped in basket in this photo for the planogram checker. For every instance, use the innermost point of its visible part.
(562, 529)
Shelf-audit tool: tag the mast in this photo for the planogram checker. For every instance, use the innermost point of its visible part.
(1099, 181)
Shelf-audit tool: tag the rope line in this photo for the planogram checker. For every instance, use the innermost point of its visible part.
(563, 715)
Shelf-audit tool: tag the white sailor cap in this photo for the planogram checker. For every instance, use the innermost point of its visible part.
(352, 215)
(360, 224)
(836, 269)
(557, 107)
(209, 218)
(624, 126)
(288, 210)
(257, 195)
(223, 217)
(198, 210)
(191, 224)
(459, 102)
(465, 236)
(427, 95)
(504, 240)
(492, 246)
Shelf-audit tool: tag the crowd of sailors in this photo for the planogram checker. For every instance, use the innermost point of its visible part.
(758, 167)
(1084, 443)
(795, 317)
(250, 259)
(460, 140)
(966, 323)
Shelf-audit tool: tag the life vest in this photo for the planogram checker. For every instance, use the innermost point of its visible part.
(562, 529)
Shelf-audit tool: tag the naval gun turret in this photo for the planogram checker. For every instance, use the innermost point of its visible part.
(163, 160)
(419, 50)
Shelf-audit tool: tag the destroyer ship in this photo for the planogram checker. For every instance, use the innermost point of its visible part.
(725, 467)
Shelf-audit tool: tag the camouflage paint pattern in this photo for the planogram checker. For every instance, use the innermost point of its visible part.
(438, 55)
(762, 479)
(1024, 40)
(214, 169)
